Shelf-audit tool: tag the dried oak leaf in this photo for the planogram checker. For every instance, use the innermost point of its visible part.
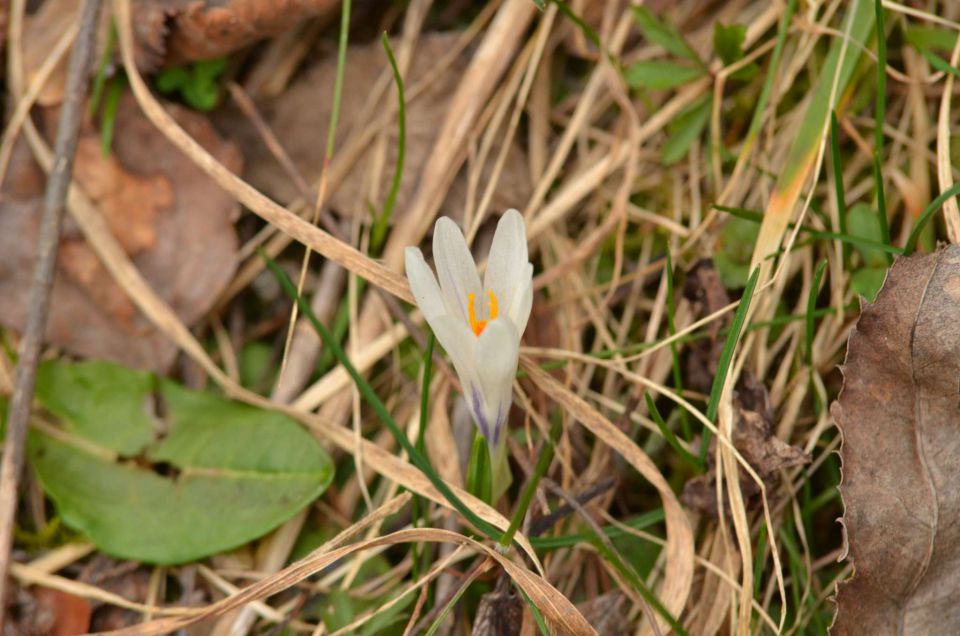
(170, 218)
(753, 437)
(300, 115)
(899, 413)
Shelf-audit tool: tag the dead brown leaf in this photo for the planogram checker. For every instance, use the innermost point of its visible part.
(500, 612)
(753, 429)
(299, 118)
(607, 613)
(43, 611)
(129, 202)
(753, 437)
(174, 222)
(705, 291)
(898, 413)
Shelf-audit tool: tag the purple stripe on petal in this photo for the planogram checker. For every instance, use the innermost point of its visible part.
(478, 416)
(498, 428)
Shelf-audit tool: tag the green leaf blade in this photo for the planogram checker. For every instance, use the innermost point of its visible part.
(685, 129)
(660, 74)
(663, 34)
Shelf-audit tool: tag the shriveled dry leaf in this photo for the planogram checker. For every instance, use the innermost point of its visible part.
(607, 613)
(500, 612)
(753, 437)
(128, 201)
(300, 116)
(705, 291)
(43, 610)
(174, 222)
(898, 412)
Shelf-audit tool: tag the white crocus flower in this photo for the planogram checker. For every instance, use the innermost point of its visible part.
(479, 326)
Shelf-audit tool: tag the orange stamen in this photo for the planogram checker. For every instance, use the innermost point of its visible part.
(479, 325)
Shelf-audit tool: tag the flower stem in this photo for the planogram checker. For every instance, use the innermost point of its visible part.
(543, 463)
(479, 476)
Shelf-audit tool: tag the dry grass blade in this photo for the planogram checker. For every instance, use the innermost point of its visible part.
(951, 211)
(806, 153)
(554, 605)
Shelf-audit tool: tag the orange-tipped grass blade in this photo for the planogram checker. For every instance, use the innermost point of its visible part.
(812, 132)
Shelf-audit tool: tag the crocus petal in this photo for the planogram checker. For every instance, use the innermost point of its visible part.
(458, 341)
(508, 260)
(496, 367)
(523, 303)
(460, 344)
(455, 267)
(423, 284)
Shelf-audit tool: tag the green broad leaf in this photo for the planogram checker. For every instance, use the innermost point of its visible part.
(172, 79)
(728, 44)
(257, 367)
(154, 472)
(338, 611)
(660, 74)
(201, 94)
(734, 250)
(864, 222)
(921, 37)
(663, 34)
(867, 281)
(395, 617)
(106, 405)
(209, 69)
(685, 129)
(197, 84)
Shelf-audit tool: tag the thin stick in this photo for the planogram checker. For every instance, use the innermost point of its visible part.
(44, 268)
